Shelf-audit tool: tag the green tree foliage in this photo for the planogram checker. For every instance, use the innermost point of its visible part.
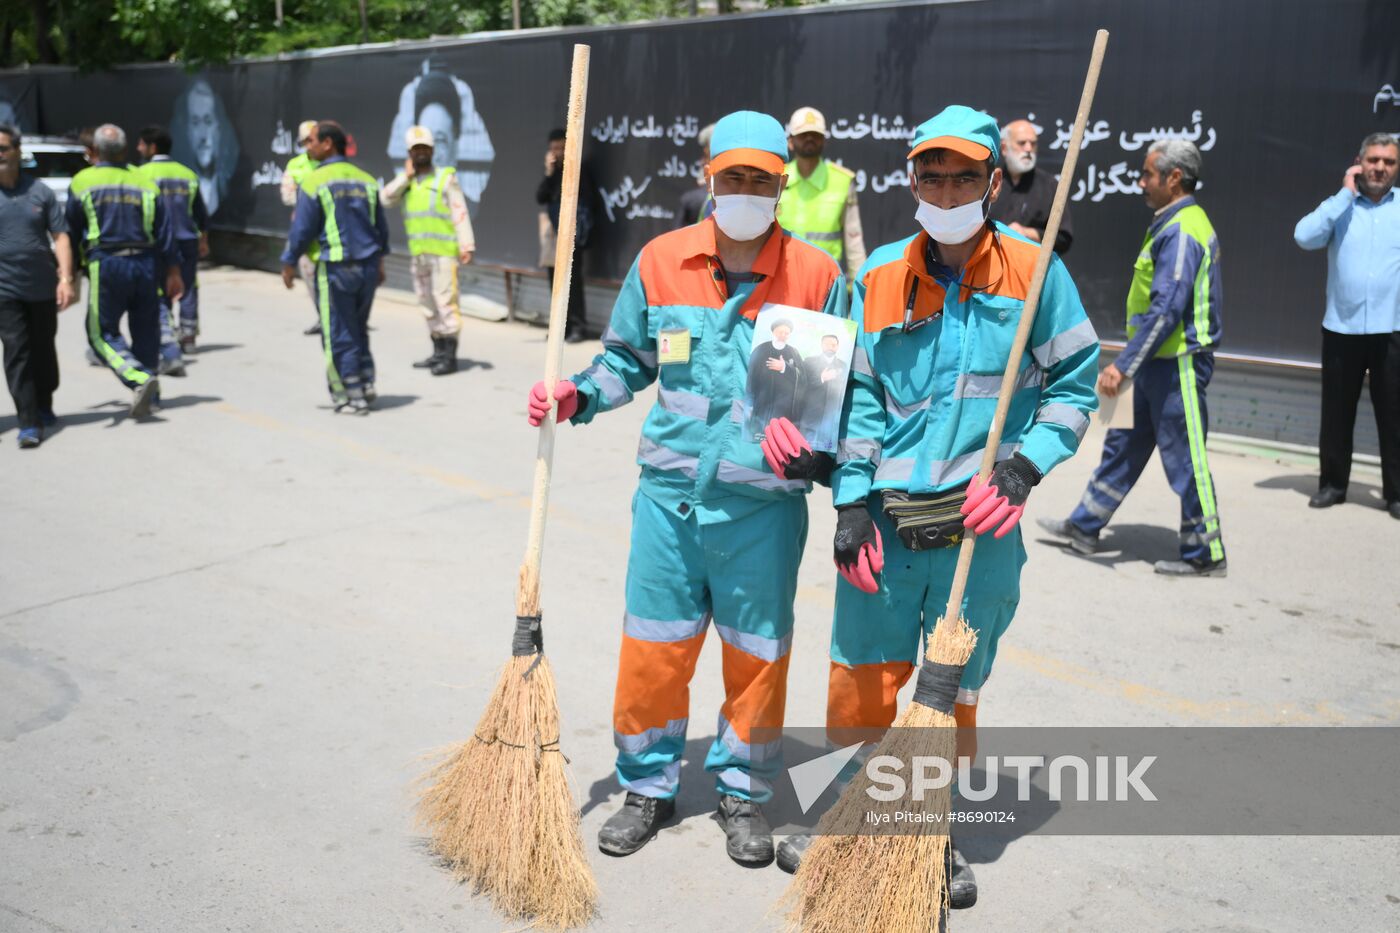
(98, 33)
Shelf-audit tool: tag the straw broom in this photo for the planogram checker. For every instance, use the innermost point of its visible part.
(853, 883)
(498, 807)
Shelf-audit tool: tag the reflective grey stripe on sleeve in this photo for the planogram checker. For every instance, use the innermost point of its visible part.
(860, 363)
(736, 411)
(815, 237)
(1151, 338)
(645, 357)
(1180, 253)
(731, 472)
(897, 469)
(614, 391)
(680, 402)
(945, 471)
(636, 744)
(902, 413)
(967, 697)
(858, 448)
(974, 385)
(1065, 344)
(656, 630)
(766, 649)
(663, 458)
(1065, 415)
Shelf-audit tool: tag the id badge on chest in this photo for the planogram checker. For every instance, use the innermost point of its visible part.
(673, 345)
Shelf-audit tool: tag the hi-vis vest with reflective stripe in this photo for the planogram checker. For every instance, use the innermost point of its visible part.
(119, 204)
(814, 208)
(1193, 223)
(176, 182)
(428, 216)
(299, 167)
(332, 182)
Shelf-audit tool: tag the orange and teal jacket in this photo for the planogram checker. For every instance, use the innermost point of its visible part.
(931, 347)
(675, 322)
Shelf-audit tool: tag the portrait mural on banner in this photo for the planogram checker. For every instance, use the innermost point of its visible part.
(202, 137)
(444, 103)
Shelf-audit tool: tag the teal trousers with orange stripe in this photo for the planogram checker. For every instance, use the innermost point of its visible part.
(1169, 416)
(740, 574)
(875, 637)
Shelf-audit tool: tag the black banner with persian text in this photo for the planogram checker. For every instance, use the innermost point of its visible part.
(1276, 93)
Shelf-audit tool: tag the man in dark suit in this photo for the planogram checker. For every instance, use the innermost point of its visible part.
(823, 385)
(775, 373)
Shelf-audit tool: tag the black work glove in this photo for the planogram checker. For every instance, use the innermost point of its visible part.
(859, 553)
(791, 457)
(999, 503)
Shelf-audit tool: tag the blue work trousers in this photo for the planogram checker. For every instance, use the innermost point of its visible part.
(1169, 415)
(345, 292)
(117, 286)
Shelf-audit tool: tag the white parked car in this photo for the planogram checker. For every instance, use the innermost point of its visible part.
(55, 160)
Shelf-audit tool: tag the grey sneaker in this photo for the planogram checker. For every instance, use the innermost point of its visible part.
(748, 837)
(791, 850)
(1191, 568)
(632, 827)
(1081, 542)
(143, 397)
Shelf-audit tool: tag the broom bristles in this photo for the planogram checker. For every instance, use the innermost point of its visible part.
(499, 810)
(851, 881)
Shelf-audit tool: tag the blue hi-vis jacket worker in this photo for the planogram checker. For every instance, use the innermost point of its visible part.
(931, 347)
(115, 215)
(179, 193)
(338, 219)
(1174, 326)
(714, 531)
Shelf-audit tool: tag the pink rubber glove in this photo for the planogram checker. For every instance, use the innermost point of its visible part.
(537, 405)
(1000, 502)
(782, 443)
(859, 552)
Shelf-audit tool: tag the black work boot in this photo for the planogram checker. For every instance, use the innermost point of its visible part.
(791, 850)
(747, 836)
(430, 361)
(632, 827)
(446, 363)
(962, 884)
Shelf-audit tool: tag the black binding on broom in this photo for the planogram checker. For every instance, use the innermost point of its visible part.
(937, 686)
(529, 636)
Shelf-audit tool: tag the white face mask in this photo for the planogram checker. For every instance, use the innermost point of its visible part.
(743, 216)
(952, 226)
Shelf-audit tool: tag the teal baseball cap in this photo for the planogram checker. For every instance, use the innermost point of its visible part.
(961, 129)
(748, 138)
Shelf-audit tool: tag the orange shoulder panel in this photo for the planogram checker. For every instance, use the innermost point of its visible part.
(803, 280)
(675, 269)
(1017, 267)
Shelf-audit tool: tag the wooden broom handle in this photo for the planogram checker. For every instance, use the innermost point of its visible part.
(527, 593)
(1023, 329)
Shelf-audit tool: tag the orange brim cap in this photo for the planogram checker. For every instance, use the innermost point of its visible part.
(754, 158)
(975, 151)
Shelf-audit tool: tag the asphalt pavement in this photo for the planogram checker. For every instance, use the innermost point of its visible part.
(228, 635)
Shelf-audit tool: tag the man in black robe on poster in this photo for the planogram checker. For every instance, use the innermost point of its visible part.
(775, 375)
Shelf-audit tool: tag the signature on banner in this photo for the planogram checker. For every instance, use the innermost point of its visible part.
(625, 202)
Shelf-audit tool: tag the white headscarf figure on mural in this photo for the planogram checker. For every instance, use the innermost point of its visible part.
(445, 104)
